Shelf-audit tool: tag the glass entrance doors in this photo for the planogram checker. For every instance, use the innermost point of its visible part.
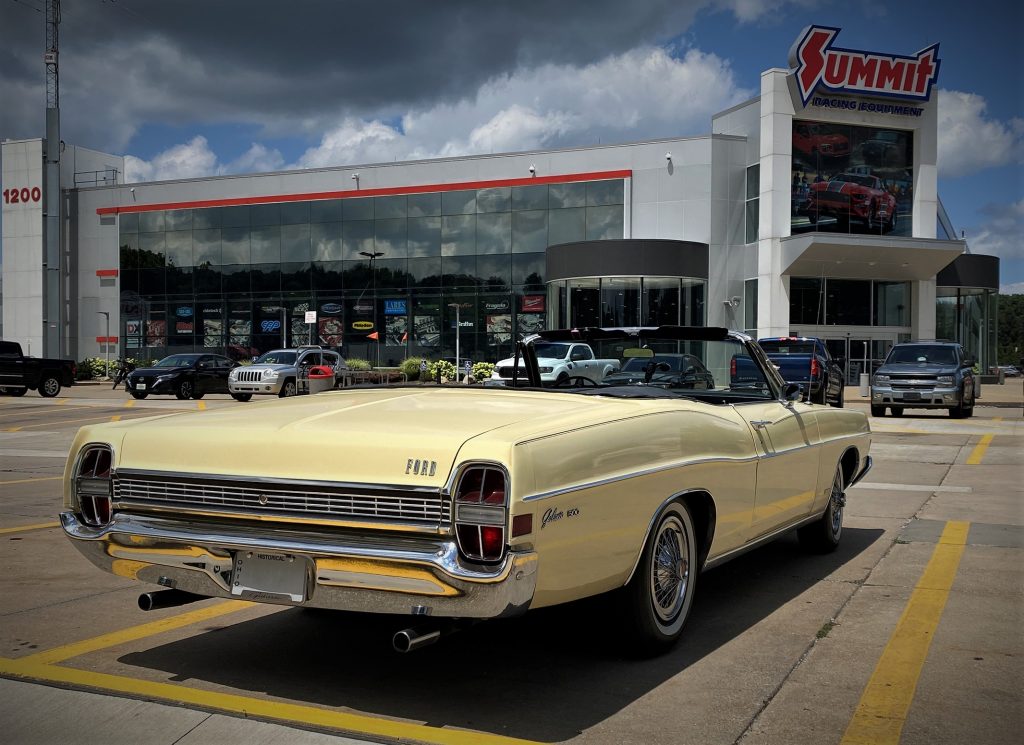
(858, 355)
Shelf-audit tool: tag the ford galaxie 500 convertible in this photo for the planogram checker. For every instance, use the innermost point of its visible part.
(471, 502)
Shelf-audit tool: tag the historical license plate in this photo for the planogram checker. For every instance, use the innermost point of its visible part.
(911, 396)
(260, 575)
(140, 386)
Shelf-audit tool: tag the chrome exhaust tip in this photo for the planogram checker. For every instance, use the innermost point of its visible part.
(409, 640)
(166, 599)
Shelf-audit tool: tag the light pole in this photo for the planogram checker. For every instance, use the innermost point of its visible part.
(106, 343)
(371, 255)
(458, 307)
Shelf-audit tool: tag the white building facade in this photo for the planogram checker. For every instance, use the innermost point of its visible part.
(809, 210)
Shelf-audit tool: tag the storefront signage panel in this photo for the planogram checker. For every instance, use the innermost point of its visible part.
(819, 66)
(851, 179)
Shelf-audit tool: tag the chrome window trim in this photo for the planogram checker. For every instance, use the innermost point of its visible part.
(677, 464)
(635, 474)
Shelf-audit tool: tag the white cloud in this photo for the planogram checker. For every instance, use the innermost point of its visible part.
(1002, 233)
(971, 142)
(192, 159)
(644, 93)
(1016, 288)
(258, 158)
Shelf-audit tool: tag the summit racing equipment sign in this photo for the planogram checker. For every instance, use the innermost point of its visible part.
(817, 64)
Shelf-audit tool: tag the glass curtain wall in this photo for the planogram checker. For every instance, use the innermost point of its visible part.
(382, 273)
(968, 315)
(848, 302)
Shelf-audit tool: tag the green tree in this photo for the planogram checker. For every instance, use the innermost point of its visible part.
(1011, 329)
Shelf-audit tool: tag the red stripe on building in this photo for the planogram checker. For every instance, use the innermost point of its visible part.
(106, 272)
(106, 339)
(351, 193)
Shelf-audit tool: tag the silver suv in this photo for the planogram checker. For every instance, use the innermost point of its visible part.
(275, 373)
(925, 375)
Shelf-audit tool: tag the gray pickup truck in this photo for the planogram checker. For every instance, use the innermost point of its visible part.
(925, 375)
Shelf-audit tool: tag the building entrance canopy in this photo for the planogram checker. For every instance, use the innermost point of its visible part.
(866, 257)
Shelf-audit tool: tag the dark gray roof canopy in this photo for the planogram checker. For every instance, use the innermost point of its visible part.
(970, 270)
(627, 258)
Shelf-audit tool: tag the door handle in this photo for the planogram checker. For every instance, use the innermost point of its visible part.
(760, 423)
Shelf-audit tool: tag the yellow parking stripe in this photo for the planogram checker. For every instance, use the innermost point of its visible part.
(77, 649)
(201, 405)
(978, 453)
(21, 528)
(883, 707)
(13, 429)
(28, 481)
(115, 418)
(252, 707)
(129, 404)
(63, 401)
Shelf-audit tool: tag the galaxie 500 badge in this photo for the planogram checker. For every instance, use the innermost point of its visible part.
(419, 467)
(552, 514)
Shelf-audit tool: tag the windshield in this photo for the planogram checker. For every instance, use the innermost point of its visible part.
(854, 178)
(639, 364)
(277, 357)
(555, 351)
(648, 363)
(787, 347)
(923, 353)
(177, 360)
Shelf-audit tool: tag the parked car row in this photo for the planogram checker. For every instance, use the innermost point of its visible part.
(276, 373)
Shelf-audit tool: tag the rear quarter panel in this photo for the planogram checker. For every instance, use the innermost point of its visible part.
(840, 430)
(596, 490)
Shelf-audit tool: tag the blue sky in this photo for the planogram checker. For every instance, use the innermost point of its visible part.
(191, 88)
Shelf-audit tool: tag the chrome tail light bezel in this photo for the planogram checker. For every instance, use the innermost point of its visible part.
(481, 524)
(93, 484)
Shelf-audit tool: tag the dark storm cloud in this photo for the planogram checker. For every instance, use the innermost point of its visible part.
(290, 65)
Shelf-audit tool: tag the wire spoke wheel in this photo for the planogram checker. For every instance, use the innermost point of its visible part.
(660, 594)
(670, 569)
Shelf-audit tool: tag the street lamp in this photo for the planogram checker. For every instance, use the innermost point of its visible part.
(458, 307)
(106, 343)
(371, 255)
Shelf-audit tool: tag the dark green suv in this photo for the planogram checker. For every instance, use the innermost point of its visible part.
(925, 375)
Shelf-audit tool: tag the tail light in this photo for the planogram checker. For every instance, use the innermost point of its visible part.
(732, 368)
(815, 369)
(481, 512)
(93, 487)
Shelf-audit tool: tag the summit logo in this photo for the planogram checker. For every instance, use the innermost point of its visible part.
(817, 64)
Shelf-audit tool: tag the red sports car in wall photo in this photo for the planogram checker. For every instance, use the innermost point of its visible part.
(811, 139)
(852, 196)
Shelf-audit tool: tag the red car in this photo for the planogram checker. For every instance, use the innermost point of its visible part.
(812, 139)
(852, 196)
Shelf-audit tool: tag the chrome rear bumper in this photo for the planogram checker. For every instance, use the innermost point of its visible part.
(371, 574)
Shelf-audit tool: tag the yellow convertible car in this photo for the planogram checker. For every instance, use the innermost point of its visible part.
(471, 502)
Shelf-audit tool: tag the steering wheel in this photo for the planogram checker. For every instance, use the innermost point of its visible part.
(576, 381)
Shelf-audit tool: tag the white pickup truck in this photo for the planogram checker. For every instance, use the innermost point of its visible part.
(559, 362)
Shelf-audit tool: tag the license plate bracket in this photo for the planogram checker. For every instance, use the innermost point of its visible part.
(265, 575)
(140, 386)
(911, 396)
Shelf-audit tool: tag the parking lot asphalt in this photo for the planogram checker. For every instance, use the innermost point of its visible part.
(909, 633)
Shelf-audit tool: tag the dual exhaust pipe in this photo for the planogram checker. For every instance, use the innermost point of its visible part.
(404, 641)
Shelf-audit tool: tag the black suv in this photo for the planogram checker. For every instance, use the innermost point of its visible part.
(925, 375)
